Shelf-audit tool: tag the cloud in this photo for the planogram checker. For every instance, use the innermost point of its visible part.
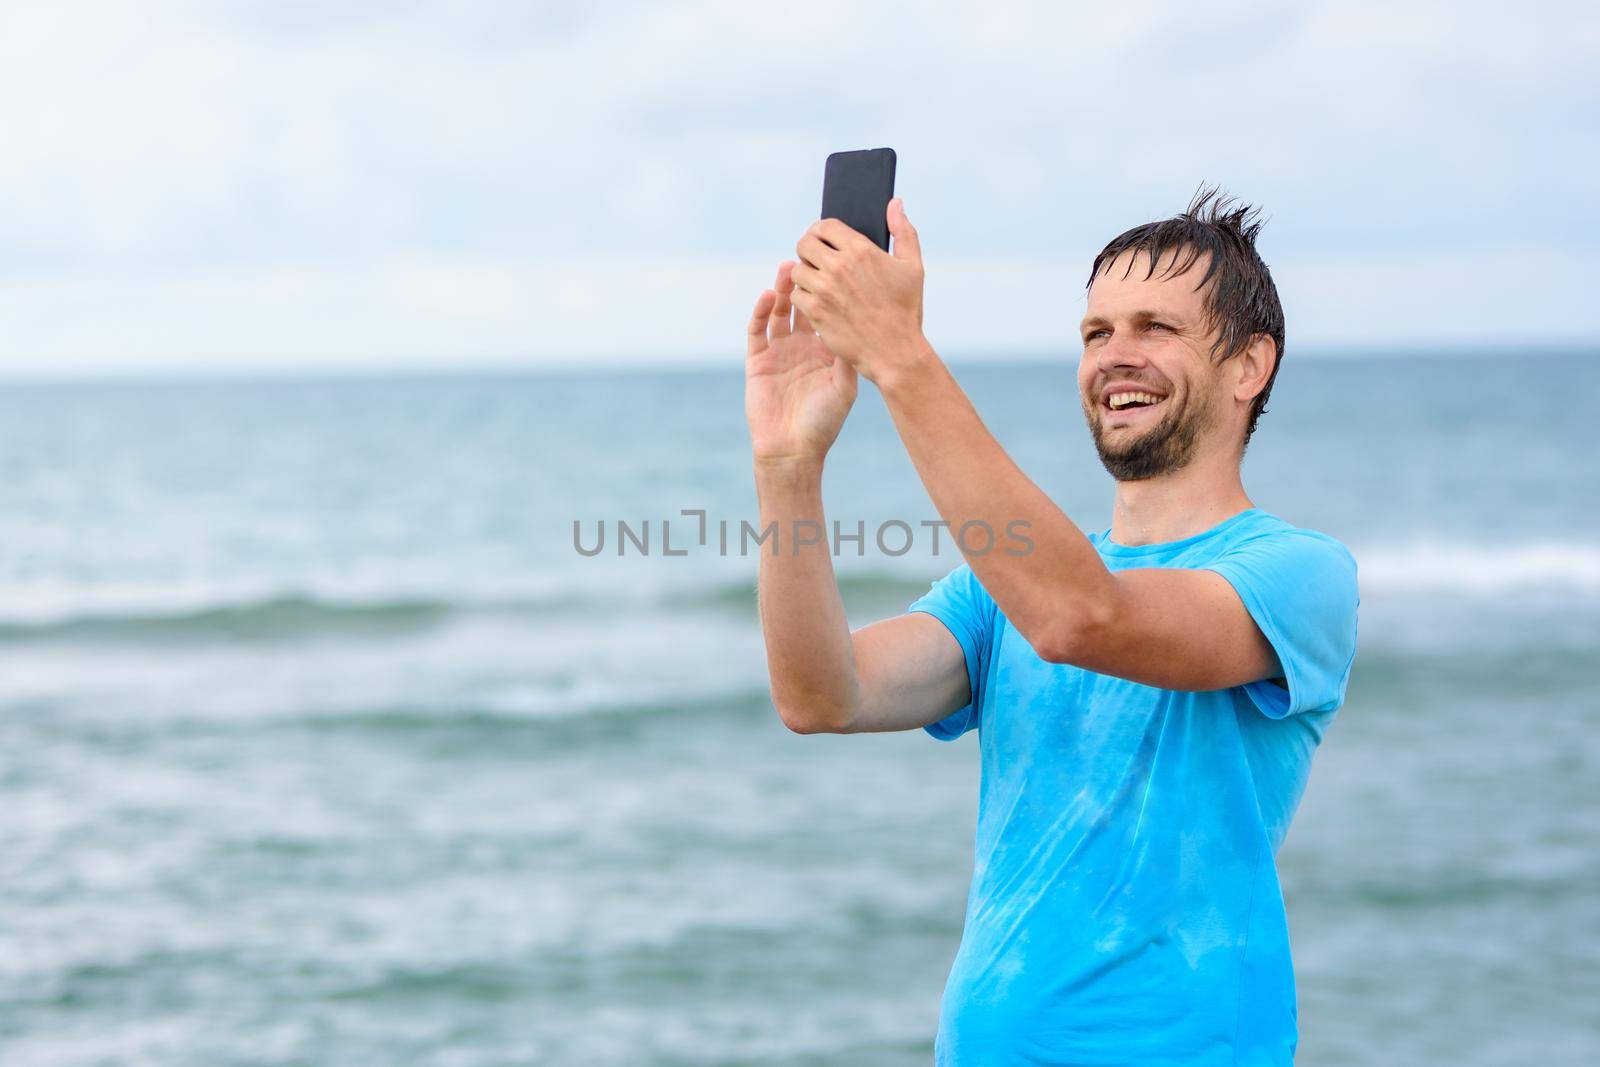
(258, 184)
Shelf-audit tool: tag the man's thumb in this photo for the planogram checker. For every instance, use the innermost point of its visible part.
(906, 245)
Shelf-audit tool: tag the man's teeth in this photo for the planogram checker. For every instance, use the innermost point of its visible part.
(1122, 400)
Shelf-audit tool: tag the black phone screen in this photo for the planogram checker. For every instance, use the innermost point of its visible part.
(857, 188)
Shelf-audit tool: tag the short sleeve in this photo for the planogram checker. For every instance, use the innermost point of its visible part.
(968, 612)
(1300, 588)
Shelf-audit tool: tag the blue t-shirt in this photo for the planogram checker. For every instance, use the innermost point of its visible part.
(1125, 905)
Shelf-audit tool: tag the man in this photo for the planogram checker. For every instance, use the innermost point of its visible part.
(1147, 698)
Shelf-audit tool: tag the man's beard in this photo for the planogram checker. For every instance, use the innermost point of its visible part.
(1166, 447)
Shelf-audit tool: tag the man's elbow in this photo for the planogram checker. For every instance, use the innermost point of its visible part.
(1074, 636)
(815, 717)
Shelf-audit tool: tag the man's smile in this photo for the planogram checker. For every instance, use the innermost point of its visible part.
(1130, 402)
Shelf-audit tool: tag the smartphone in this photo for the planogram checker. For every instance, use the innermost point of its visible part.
(857, 188)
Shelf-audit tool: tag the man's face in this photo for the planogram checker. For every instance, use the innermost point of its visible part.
(1147, 381)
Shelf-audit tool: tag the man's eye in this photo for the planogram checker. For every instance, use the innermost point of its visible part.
(1159, 326)
(1092, 334)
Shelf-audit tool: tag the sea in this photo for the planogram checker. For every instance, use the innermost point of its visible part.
(328, 738)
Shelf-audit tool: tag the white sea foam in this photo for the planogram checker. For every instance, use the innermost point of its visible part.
(1480, 570)
(1421, 568)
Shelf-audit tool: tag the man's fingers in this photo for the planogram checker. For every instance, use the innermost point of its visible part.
(805, 276)
(802, 299)
(813, 250)
(906, 243)
(802, 324)
(778, 322)
(757, 340)
(836, 234)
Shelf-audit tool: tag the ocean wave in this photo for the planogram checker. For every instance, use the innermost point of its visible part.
(158, 616)
(870, 586)
(531, 724)
(1409, 676)
(491, 718)
(1453, 889)
(271, 616)
(1472, 570)
(185, 614)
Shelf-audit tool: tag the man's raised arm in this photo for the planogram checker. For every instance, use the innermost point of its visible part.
(899, 674)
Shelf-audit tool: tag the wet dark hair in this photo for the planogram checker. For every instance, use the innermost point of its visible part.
(1240, 299)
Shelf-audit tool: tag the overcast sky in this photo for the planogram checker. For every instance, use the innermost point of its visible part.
(238, 185)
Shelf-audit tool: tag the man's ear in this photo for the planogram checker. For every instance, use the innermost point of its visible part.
(1255, 367)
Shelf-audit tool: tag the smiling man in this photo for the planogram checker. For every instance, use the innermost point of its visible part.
(1147, 698)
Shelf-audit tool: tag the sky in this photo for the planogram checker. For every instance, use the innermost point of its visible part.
(238, 186)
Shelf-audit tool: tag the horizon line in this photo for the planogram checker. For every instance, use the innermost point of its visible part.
(683, 363)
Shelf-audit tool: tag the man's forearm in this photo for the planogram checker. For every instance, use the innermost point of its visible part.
(1055, 590)
(810, 657)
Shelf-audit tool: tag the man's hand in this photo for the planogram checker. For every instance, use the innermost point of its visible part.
(866, 304)
(796, 392)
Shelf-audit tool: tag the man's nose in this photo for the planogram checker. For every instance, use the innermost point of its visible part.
(1119, 352)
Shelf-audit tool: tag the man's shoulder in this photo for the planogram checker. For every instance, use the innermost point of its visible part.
(1274, 559)
(1266, 531)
